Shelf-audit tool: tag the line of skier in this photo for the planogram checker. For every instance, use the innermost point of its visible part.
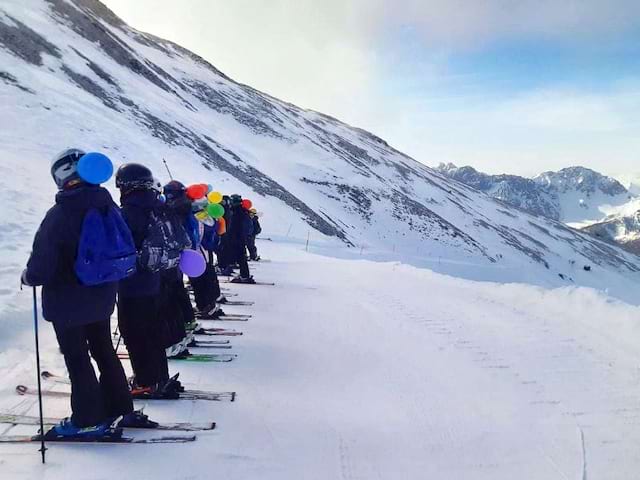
(90, 254)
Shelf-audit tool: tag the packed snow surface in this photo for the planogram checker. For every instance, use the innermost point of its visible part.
(353, 369)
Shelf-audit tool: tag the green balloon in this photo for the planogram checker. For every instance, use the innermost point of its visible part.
(215, 210)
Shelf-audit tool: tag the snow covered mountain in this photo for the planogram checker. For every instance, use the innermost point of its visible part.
(73, 74)
(621, 227)
(573, 195)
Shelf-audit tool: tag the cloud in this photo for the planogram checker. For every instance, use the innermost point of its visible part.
(468, 22)
(352, 59)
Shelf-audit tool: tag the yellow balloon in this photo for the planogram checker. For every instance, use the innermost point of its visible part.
(214, 197)
(202, 215)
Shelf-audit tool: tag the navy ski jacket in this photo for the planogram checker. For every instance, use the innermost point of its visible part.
(136, 211)
(257, 229)
(65, 301)
(240, 227)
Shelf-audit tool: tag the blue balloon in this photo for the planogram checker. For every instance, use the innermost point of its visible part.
(209, 189)
(95, 168)
(162, 198)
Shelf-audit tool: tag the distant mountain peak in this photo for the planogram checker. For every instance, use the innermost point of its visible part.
(571, 194)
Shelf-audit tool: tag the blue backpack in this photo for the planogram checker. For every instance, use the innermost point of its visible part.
(210, 238)
(106, 252)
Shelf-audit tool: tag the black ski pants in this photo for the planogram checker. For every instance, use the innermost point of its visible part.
(206, 288)
(171, 314)
(241, 257)
(94, 401)
(141, 328)
(251, 246)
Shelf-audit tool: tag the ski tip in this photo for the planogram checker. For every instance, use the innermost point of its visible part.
(22, 389)
(47, 374)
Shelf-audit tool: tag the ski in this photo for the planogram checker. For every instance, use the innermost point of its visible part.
(217, 331)
(107, 440)
(195, 395)
(186, 395)
(204, 344)
(195, 357)
(256, 283)
(206, 357)
(237, 303)
(224, 318)
(34, 420)
(213, 342)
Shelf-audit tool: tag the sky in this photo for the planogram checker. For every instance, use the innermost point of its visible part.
(516, 86)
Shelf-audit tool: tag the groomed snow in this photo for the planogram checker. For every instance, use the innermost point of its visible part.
(353, 369)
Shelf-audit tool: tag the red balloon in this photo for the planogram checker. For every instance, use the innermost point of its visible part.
(246, 204)
(196, 192)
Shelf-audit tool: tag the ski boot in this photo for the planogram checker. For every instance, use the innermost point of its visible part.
(67, 430)
(136, 419)
(174, 350)
(226, 272)
(212, 312)
(170, 389)
(175, 383)
(222, 299)
(191, 326)
(246, 280)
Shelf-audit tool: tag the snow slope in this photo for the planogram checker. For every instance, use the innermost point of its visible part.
(352, 369)
(72, 73)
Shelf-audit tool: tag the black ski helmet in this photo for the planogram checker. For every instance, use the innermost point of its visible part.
(64, 166)
(235, 199)
(174, 190)
(133, 176)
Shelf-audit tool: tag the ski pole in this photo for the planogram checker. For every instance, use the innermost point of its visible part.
(167, 167)
(43, 449)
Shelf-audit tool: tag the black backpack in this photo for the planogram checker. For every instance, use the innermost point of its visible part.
(163, 244)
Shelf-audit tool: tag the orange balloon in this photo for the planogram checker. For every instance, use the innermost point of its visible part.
(222, 226)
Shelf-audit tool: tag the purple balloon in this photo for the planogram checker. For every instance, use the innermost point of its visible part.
(192, 263)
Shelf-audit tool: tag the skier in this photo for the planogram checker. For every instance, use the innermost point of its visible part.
(206, 288)
(80, 313)
(176, 307)
(239, 231)
(251, 241)
(139, 295)
(224, 251)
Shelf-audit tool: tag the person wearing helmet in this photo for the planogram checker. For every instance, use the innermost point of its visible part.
(139, 295)
(176, 305)
(224, 249)
(80, 314)
(251, 241)
(239, 230)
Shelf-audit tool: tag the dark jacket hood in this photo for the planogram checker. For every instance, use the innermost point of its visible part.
(84, 197)
(140, 198)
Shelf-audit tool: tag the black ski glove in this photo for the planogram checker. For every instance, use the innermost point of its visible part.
(23, 279)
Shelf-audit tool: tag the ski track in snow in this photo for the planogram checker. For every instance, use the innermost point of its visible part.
(360, 370)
